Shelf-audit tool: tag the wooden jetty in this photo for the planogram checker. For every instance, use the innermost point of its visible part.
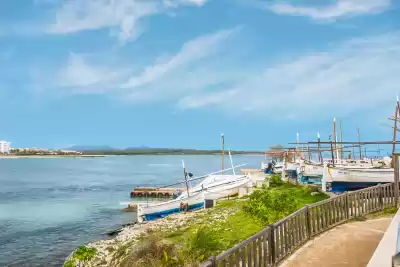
(154, 191)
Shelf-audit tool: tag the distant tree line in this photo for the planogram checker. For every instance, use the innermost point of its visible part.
(164, 151)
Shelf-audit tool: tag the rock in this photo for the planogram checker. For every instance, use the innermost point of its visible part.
(315, 193)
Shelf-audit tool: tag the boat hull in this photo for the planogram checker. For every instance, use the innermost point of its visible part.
(161, 210)
(165, 213)
(225, 190)
(345, 179)
(341, 187)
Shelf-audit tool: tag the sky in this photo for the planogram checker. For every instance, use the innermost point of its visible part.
(178, 73)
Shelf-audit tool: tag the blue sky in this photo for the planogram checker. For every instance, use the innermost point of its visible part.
(177, 73)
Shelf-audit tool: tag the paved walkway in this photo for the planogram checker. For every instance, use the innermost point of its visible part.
(350, 244)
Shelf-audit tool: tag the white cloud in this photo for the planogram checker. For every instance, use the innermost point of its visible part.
(175, 3)
(193, 68)
(82, 77)
(361, 74)
(125, 15)
(340, 8)
(191, 51)
(201, 100)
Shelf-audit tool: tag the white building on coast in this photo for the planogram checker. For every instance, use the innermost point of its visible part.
(5, 147)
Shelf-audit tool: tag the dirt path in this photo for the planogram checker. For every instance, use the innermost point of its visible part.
(351, 244)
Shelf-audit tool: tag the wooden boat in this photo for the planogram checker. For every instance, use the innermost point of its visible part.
(226, 188)
(339, 179)
(148, 212)
(213, 181)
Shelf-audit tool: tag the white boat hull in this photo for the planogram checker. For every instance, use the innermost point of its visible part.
(309, 170)
(225, 190)
(161, 210)
(338, 179)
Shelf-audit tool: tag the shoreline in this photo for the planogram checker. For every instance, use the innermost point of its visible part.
(110, 252)
(52, 156)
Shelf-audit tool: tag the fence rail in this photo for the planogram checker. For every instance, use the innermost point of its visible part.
(273, 244)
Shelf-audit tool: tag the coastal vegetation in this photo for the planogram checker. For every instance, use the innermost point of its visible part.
(83, 255)
(226, 225)
(187, 239)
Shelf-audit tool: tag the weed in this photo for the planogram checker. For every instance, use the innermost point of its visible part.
(84, 254)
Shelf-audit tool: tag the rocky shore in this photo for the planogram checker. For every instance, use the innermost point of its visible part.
(110, 253)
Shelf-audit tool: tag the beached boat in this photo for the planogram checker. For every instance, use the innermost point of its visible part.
(148, 212)
(219, 189)
(215, 181)
(226, 190)
(339, 179)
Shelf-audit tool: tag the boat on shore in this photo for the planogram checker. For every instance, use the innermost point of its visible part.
(148, 212)
(220, 189)
(194, 198)
(339, 179)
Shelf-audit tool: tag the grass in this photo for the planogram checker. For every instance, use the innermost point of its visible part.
(384, 213)
(83, 254)
(218, 229)
(387, 212)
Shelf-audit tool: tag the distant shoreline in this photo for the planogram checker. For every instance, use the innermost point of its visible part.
(167, 152)
(111, 155)
(51, 156)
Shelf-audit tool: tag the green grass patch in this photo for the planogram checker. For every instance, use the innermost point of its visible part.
(384, 213)
(83, 254)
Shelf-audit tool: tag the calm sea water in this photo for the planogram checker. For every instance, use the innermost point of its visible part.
(49, 207)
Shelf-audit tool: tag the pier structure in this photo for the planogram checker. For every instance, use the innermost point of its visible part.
(154, 192)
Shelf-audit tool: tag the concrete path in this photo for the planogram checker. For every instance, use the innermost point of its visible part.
(350, 244)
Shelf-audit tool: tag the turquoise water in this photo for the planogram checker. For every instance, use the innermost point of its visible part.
(48, 207)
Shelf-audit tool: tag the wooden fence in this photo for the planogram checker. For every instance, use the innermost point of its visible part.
(270, 246)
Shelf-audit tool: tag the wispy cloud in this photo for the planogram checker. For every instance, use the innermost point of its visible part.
(339, 9)
(192, 51)
(193, 68)
(79, 76)
(125, 15)
(360, 74)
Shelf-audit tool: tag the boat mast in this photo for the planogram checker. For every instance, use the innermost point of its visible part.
(233, 168)
(333, 154)
(223, 151)
(395, 127)
(359, 141)
(297, 145)
(341, 140)
(335, 139)
(186, 180)
(319, 151)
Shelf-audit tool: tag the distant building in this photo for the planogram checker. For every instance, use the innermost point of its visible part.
(70, 152)
(5, 147)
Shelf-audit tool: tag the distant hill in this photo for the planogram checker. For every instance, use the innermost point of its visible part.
(91, 148)
(138, 148)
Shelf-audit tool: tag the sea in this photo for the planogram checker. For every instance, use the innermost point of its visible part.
(51, 206)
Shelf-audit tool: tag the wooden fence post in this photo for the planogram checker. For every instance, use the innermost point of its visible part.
(272, 244)
(308, 222)
(346, 205)
(213, 260)
(380, 197)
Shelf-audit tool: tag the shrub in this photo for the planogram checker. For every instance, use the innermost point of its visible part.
(275, 180)
(152, 252)
(204, 242)
(271, 205)
(84, 254)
